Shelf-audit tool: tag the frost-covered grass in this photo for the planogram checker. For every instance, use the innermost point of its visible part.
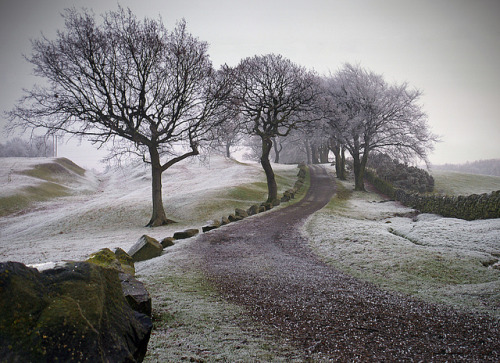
(193, 323)
(26, 181)
(110, 210)
(454, 183)
(437, 259)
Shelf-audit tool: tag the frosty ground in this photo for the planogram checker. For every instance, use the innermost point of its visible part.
(438, 259)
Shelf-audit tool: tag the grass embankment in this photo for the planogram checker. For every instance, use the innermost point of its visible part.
(436, 259)
(49, 180)
(191, 321)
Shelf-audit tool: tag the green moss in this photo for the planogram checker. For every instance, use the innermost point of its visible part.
(105, 258)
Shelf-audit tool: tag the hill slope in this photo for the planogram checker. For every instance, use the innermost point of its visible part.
(90, 212)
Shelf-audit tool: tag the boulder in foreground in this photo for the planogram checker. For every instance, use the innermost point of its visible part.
(72, 313)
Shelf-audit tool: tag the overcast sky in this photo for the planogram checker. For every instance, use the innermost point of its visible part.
(450, 49)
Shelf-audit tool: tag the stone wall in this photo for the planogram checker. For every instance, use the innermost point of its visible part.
(469, 207)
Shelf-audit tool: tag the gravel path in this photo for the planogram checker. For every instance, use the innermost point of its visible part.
(264, 263)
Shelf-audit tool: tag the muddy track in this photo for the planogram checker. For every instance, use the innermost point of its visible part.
(264, 264)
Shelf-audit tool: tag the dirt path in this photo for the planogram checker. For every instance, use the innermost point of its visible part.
(264, 263)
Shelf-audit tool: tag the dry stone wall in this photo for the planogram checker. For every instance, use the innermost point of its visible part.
(470, 207)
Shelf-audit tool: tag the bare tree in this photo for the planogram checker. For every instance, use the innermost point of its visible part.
(129, 82)
(274, 95)
(373, 115)
(228, 135)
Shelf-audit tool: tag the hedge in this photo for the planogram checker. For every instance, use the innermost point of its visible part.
(469, 207)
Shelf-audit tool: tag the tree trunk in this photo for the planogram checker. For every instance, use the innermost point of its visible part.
(339, 154)
(342, 164)
(228, 152)
(276, 152)
(336, 154)
(272, 187)
(359, 170)
(159, 217)
(323, 153)
(314, 154)
(308, 151)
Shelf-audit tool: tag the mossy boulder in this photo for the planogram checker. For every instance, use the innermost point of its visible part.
(118, 260)
(145, 248)
(188, 233)
(126, 261)
(74, 312)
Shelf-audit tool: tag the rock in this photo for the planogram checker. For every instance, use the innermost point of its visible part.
(73, 312)
(267, 206)
(276, 202)
(167, 242)
(225, 220)
(262, 209)
(118, 260)
(105, 258)
(188, 233)
(254, 209)
(136, 294)
(126, 261)
(240, 213)
(214, 225)
(145, 248)
(234, 218)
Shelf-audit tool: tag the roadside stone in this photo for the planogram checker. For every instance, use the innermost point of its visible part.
(262, 209)
(167, 242)
(225, 220)
(145, 248)
(214, 225)
(188, 233)
(234, 218)
(276, 202)
(254, 209)
(267, 206)
(240, 213)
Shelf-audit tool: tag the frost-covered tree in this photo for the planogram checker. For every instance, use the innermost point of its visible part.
(128, 82)
(372, 115)
(273, 94)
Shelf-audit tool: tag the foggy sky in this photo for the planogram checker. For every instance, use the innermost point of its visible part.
(450, 49)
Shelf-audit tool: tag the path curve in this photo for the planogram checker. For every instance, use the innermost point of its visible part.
(264, 264)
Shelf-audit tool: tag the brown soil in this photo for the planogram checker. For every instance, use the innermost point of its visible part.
(264, 264)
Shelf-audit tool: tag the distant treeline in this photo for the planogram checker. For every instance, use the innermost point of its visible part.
(36, 147)
(482, 167)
